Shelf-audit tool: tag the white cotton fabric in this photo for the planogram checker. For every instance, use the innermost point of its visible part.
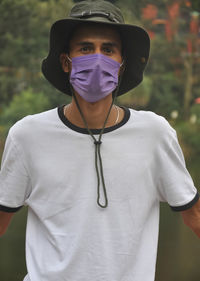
(50, 167)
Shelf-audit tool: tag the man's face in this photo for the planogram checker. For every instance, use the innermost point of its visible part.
(96, 39)
(90, 39)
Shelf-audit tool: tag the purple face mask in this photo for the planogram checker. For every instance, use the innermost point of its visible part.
(94, 77)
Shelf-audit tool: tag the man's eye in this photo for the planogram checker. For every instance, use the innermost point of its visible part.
(108, 50)
(85, 49)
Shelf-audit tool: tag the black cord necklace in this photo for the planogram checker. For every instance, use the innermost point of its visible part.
(97, 143)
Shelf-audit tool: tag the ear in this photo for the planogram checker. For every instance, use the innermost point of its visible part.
(65, 63)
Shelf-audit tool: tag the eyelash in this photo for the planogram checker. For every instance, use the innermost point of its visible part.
(109, 50)
(85, 49)
(88, 48)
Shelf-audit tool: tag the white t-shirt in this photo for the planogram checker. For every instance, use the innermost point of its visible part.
(48, 164)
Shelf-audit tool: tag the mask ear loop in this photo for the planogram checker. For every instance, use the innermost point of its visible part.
(97, 143)
(71, 59)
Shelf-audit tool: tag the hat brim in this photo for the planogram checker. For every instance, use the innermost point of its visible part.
(136, 47)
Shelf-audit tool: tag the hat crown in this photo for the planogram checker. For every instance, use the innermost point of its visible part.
(103, 11)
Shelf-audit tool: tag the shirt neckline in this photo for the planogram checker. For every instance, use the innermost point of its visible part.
(94, 131)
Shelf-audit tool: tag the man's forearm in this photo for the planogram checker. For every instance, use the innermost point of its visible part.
(191, 218)
(5, 219)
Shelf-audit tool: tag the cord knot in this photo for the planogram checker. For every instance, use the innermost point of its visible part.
(97, 142)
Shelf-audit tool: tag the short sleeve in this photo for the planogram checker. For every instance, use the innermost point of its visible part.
(14, 179)
(175, 184)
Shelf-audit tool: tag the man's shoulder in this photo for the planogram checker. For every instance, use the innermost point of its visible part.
(151, 122)
(148, 117)
(32, 123)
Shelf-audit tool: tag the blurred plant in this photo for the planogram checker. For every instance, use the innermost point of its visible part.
(174, 114)
(190, 137)
(23, 104)
(138, 97)
(195, 110)
(24, 33)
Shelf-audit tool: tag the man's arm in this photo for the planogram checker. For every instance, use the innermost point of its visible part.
(5, 219)
(191, 218)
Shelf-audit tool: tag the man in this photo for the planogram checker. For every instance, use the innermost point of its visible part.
(92, 173)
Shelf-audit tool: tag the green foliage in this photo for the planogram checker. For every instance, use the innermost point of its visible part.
(139, 97)
(16, 43)
(189, 134)
(76, 1)
(195, 111)
(195, 5)
(24, 32)
(12, 254)
(166, 94)
(25, 103)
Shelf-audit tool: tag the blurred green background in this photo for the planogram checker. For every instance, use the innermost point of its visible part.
(171, 88)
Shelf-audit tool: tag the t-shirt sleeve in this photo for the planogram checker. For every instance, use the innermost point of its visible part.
(175, 184)
(14, 178)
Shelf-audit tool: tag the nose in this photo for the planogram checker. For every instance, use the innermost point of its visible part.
(98, 50)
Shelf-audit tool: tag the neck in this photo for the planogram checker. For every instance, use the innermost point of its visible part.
(94, 113)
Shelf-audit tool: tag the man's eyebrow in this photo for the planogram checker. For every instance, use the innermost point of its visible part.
(107, 44)
(83, 43)
(110, 44)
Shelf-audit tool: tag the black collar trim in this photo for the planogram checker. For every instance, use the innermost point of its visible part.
(94, 131)
(9, 209)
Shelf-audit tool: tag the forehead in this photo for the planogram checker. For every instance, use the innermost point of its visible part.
(95, 32)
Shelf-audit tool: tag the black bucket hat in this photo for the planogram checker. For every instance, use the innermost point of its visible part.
(135, 43)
